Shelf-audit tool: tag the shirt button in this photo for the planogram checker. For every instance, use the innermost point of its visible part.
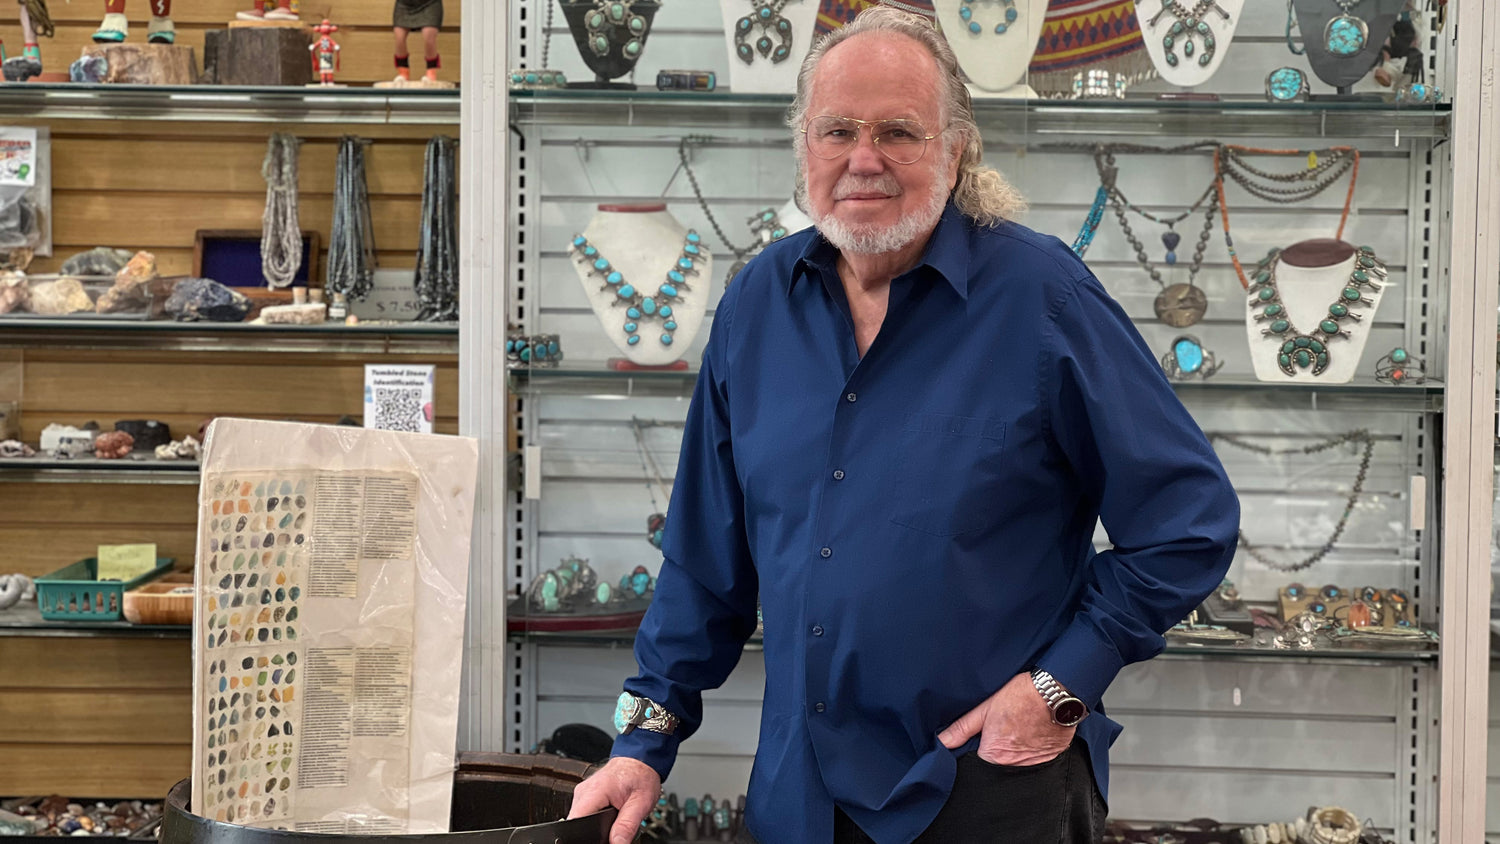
(817, 630)
(838, 474)
(851, 397)
(826, 552)
(819, 707)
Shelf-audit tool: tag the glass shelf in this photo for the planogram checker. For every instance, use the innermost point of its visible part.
(382, 338)
(1384, 654)
(134, 469)
(79, 101)
(24, 619)
(596, 378)
(1084, 119)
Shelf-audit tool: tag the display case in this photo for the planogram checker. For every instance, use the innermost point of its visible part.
(1348, 478)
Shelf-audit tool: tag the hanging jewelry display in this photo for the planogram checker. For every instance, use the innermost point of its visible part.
(1324, 169)
(1400, 367)
(1178, 305)
(436, 277)
(1346, 35)
(638, 305)
(1303, 351)
(351, 243)
(1189, 24)
(1188, 359)
(966, 13)
(765, 14)
(765, 225)
(1359, 436)
(1085, 237)
(281, 233)
(656, 523)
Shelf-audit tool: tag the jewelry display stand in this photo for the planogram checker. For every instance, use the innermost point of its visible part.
(643, 243)
(616, 59)
(1189, 47)
(1313, 18)
(1311, 275)
(995, 63)
(762, 75)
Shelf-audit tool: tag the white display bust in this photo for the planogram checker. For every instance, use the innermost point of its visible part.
(791, 217)
(761, 75)
(1189, 72)
(643, 242)
(1310, 276)
(993, 62)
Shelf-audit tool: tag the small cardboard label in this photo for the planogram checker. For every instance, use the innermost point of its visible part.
(126, 562)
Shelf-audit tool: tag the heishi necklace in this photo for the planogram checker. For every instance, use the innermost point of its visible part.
(1346, 35)
(1188, 24)
(640, 307)
(765, 14)
(966, 12)
(1324, 171)
(1310, 350)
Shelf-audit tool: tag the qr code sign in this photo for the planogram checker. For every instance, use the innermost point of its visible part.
(398, 409)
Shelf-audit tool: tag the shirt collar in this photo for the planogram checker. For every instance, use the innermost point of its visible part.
(947, 253)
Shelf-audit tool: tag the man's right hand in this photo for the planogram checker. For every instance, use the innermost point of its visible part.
(629, 785)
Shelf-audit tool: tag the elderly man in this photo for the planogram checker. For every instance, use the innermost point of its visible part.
(906, 425)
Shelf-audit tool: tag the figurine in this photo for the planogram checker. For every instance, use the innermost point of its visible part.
(282, 11)
(427, 16)
(34, 21)
(325, 53)
(115, 26)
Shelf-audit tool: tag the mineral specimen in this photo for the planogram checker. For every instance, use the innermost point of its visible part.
(131, 290)
(185, 449)
(60, 298)
(101, 260)
(195, 299)
(15, 448)
(15, 292)
(88, 69)
(52, 435)
(309, 314)
(113, 445)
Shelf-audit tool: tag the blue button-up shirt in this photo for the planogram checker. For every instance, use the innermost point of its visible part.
(918, 523)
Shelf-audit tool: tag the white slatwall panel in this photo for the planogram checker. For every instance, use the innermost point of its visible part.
(1296, 733)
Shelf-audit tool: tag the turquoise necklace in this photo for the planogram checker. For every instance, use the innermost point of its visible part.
(638, 306)
(1310, 350)
(1346, 35)
(1189, 24)
(966, 11)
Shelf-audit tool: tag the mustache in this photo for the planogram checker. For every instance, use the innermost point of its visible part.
(849, 185)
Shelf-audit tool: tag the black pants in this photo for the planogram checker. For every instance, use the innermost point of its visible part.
(1052, 803)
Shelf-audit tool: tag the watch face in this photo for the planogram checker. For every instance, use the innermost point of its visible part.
(1070, 711)
(625, 709)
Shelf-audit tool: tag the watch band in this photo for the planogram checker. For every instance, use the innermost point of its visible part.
(1058, 698)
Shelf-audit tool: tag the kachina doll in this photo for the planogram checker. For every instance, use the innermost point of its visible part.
(115, 26)
(34, 21)
(325, 52)
(282, 11)
(424, 15)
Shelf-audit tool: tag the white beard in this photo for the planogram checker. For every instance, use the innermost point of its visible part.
(871, 239)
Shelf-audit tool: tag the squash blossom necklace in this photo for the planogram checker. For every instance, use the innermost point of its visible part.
(1310, 350)
(640, 307)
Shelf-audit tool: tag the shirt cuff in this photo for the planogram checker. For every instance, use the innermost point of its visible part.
(655, 749)
(1083, 661)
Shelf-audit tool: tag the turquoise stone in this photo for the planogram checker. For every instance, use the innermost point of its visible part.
(614, 277)
(1317, 346)
(596, 20)
(1345, 36)
(1329, 327)
(1368, 250)
(648, 306)
(623, 706)
(975, 28)
(670, 325)
(633, 313)
(630, 328)
(1322, 361)
(601, 44)
(1011, 15)
(1280, 326)
(1398, 356)
(765, 13)
(676, 277)
(617, 11)
(601, 594)
(633, 339)
(1189, 355)
(1272, 310)
(1338, 310)
(693, 237)
(1172, 59)
(1206, 58)
(626, 291)
(1302, 342)
(1288, 346)
(637, 25)
(668, 290)
(691, 249)
(777, 234)
(525, 355)
(1169, 42)
(589, 251)
(601, 265)
(531, 78)
(1366, 261)
(1360, 276)
(744, 25)
(1187, 49)
(1351, 294)
(1262, 277)
(1178, 28)
(516, 78)
(1304, 359)
(666, 311)
(666, 339)
(966, 13)
(685, 263)
(766, 216)
(1286, 84)
(1266, 294)
(632, 48)
(1000, 28)
(1285, 361)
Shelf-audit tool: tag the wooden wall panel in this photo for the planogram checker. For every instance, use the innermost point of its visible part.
(85, 716)
(106, 666)
(144, 771)
(97, 503)
(38, 550)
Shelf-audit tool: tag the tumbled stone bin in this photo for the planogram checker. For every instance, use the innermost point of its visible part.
(498, 798)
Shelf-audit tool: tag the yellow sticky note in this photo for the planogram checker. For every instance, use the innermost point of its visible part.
(126, 562)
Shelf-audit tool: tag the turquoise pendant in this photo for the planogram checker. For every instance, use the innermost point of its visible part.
(1346, 36)
(1189, 354)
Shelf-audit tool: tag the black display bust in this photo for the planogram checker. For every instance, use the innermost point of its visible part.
(615, 62)
(1339, 71)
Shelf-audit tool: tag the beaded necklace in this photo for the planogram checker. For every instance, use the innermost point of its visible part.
(1324, 172)
(638, 306)
(1310, 350)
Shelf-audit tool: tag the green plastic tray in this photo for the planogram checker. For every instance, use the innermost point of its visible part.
(74, 593)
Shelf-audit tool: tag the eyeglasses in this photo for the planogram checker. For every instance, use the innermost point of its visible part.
(902, 141)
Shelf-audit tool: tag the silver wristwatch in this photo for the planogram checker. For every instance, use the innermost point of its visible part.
(1066, 709)
(633, 712)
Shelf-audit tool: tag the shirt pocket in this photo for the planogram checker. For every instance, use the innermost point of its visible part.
(947, 472)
